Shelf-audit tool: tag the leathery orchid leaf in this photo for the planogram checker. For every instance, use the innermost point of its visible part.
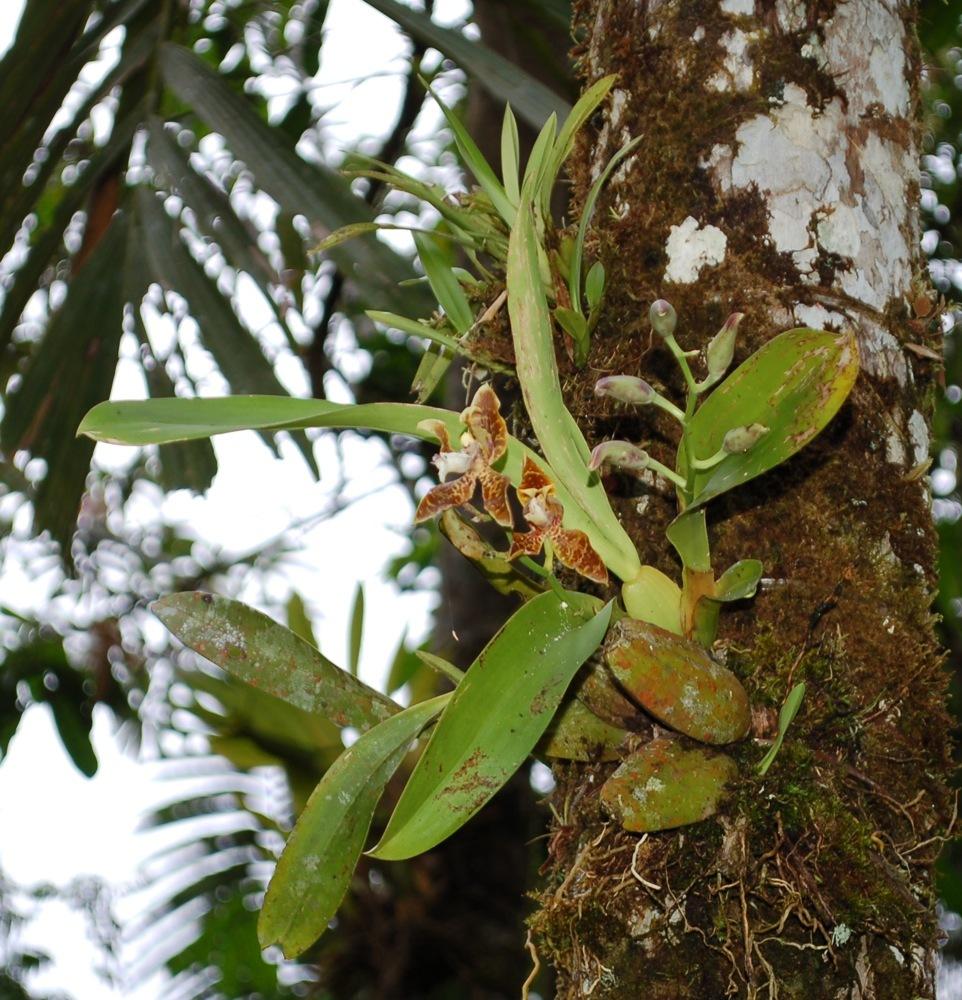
(677, 682)
(663, 786)
(315, 869)
(497, 714)
(557, 433)
(792, 386)
(576, 733)
(256, 649)
(160, 421)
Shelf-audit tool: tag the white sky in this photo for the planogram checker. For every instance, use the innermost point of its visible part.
(55, 825)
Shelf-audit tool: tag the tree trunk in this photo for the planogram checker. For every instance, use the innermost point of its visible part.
(777, 177)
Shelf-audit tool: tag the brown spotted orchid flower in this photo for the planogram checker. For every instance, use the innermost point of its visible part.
(544, 514)
(484, 442)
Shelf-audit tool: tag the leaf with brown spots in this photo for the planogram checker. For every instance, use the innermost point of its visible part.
(497, 714)
(271, 658)
(663, 786)
(315, 870)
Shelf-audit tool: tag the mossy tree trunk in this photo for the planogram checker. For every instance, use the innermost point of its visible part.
(778, 177)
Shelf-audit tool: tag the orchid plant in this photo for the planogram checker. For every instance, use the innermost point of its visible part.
(655, 633)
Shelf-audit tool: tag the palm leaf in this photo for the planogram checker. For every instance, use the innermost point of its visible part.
(504, 80)
(308, 189)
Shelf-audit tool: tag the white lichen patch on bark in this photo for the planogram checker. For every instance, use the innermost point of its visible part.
(738, 6)
(876, 30)
(791, 14)
(882, 355)
(611, 126)
(737, 72)
(691, 248)
(832, 184)
(919, 437)
(837, 188)
(817, 317)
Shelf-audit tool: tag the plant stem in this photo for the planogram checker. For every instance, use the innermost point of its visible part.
(701, 464)
(669, 407)
(553, 582)
(663, 470)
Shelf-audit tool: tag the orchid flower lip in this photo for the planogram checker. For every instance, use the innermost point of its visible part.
(452, 463)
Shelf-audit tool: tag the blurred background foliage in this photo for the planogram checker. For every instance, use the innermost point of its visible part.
(166, 170)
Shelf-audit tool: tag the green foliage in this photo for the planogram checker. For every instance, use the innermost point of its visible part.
(322, 851)
(664, 785)
(786, 715)
(756, 418)
(792, 386)
(522, 673)
(559, 436)
(677, 682)
(764, 412)
(255, 649)
(496, 716)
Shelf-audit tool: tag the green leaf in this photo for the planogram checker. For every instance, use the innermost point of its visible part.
(185, 464)
(435, 362)
(475, 162)
(536, 169)
(234, 348)
(268, 720)
(444, 284)
(595, 285)
(46, 244)
(270, 657)
(299, 187)
(360, 228)
(357, 631)
(36, 74)
(573, 323)
(558, 435)
(578, 115)
(298, 619)
(576, 733)
(677, 682)
(510, 155)
(74, 731)
(159, 421)
(477, 224)
(502, 79)
(688, 533)
(441, 666)
(18, 200)
(496, 715)
(503, 575)
(785, 717)
(313, 873)
(587, 212)
(793, 385)
(413, 327)
(213, 209)
(739, 581)
(664, 785)
(403, 667)
(71, 370)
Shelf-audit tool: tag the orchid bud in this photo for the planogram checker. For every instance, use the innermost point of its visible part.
(621, 454)
(741, 439)
(663, 318)
(721, 348)
(625, 389)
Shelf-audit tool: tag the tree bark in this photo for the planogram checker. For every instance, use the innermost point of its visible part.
(778, 177)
